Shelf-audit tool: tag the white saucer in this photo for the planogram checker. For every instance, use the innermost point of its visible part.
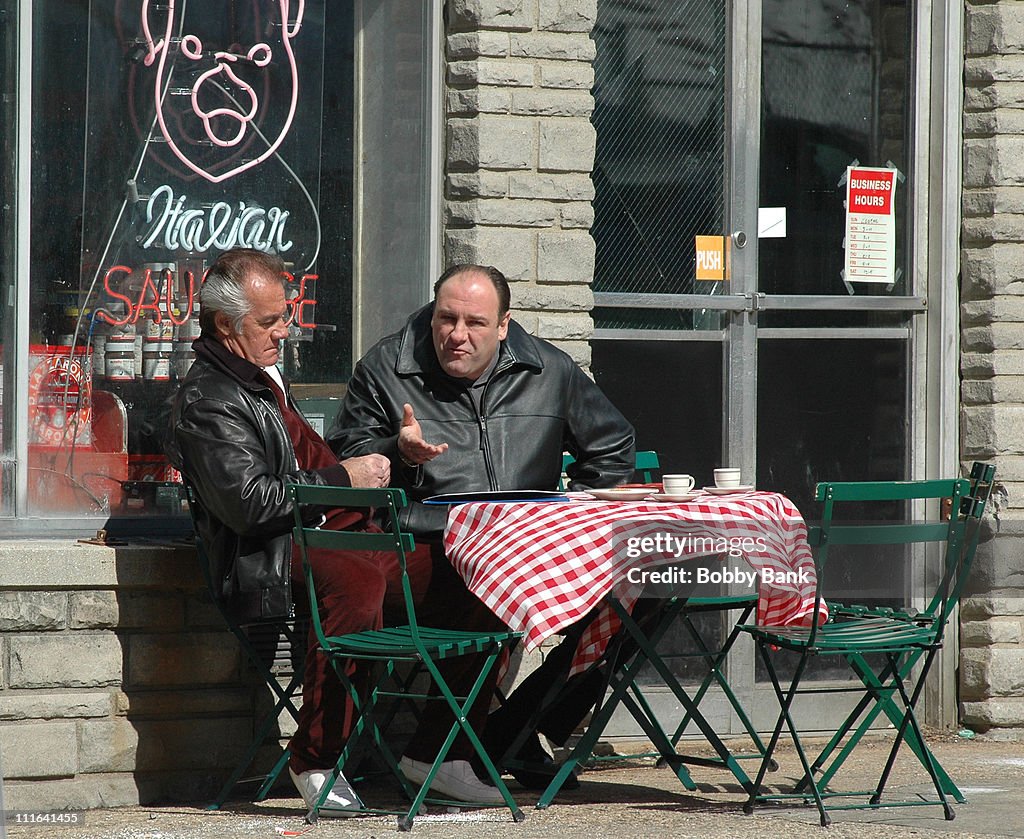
(620, 493)
(728, 490)
(677, 497)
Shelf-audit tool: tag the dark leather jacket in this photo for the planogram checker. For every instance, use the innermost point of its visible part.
(230, 443)
(536, 404)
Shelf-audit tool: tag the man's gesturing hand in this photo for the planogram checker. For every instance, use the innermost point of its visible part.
(368, 470)
(413, 449)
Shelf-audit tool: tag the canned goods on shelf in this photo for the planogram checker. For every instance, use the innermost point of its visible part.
(119, 358)
(156, 360)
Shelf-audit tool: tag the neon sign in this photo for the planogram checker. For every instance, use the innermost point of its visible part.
(159, 299)
(225, 83)
(174, 226)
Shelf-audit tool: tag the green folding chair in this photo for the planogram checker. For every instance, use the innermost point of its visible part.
(276, 649)
(900, 641)
(389, 647)
(646, 463)
(634, 647)
(868, 709)
(688, 612)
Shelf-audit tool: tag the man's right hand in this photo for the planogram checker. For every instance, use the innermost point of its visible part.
(368, 470)
(413, 449)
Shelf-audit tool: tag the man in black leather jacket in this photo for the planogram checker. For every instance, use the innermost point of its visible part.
(502, 406)
(239, 440)
(463, 399)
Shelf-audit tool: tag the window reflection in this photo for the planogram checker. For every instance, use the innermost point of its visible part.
(835, 78)
(659, 92)
(834, 411)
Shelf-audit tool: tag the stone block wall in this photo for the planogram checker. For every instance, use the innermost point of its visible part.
(992, 357)
(518, 156)
(119, 683)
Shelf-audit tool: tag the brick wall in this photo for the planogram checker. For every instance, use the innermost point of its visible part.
(519, 152)
(118, 682)
(992, 362)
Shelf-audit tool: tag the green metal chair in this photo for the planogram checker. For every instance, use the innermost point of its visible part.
(902, 642)
(391, 646)
(633, 648)
(868, 708)
(646, 463)
(276, 649)
(688, 612)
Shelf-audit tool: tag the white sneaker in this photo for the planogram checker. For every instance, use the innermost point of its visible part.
(341, 800)
(454, 779)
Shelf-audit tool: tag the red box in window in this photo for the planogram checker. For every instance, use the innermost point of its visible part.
(79, 480)
(151, 467)
(60, 396)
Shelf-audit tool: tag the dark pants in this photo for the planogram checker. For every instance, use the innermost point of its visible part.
(576, 697)
(361, 590)
(573, 698)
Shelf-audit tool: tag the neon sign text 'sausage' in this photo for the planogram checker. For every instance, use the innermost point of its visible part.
(220, 226)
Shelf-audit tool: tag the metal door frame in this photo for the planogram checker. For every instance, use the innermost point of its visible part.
(932, 333)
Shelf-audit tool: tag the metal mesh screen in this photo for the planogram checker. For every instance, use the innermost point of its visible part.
(659, 113)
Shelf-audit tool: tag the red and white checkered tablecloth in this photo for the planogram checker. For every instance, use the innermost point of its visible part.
(541, 567)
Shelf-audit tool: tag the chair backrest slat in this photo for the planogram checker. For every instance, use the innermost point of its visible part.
(645, 462)
(346, 540)
(889, 534)
(889, 490)
(958, 536)
(355, 497)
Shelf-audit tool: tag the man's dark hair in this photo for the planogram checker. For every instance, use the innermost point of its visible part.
(223, 289)
(493, 274)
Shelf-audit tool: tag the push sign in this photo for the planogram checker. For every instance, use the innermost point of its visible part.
(870, 225)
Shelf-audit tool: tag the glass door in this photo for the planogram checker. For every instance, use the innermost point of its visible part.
(832, 345)
(742, 122)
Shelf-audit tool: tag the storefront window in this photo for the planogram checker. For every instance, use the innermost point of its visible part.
(163, 134)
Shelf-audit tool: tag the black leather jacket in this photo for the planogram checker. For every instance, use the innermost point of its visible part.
(230, 443)
(536, 404)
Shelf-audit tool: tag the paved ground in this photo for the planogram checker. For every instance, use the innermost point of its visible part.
(630, 799)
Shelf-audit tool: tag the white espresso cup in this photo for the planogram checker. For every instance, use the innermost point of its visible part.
(727, 477)
(677, 484)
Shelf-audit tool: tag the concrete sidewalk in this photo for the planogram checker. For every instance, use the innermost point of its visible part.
(629, 799)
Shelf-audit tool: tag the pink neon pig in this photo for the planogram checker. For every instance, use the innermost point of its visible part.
(225, 126)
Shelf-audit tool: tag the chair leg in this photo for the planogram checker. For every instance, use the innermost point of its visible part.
(594, 730)
(642, 712)
(272, 776)
(785, 704)
(725, 758)
(619, 685)
(841, 732)
(266, 726)
(402, 696)
(648, 652)
(873, 700)
(918, 747)
(364, 726)
(461, 711)
(911, 718)
(715, 662)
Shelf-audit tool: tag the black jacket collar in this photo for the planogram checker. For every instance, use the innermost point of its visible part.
(235, 366)
(416, 348)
